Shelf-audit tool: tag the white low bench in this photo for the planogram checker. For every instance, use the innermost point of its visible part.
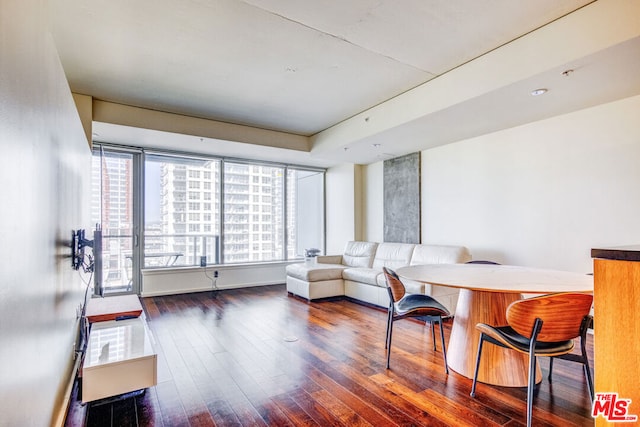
(119, 358)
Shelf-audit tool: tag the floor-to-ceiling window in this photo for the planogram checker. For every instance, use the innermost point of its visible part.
(254, 215)
(112, 206)
(193, 209)
(181, 210)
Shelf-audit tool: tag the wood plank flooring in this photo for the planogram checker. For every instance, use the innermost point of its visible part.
(258, 357)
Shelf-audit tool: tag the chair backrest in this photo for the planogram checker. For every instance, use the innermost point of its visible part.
(560, 313)
(395, 286)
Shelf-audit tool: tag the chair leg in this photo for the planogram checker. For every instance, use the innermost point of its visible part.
(584, 329)
(475, 373)
(537, 326)
(584, 359)
(444, 348)
(587, 370)
(389, 342)
(530, 384)
(389, 320)
(433, 332)
(587, 373)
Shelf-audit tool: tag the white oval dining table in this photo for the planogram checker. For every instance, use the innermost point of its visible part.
(486, 291)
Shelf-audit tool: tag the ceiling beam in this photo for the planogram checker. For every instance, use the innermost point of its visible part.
(126, 115)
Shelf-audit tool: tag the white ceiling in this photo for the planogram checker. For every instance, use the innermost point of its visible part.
(304, 66)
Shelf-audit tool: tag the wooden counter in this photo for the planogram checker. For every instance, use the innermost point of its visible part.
(617, 324)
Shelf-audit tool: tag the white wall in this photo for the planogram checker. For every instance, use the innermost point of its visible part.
(542, 194)
(44, 171)
(340, 207)
(374, 202)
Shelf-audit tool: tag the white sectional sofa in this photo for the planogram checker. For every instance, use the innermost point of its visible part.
(357, 273)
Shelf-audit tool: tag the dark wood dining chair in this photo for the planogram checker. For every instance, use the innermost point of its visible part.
(540, 326)
(417, 306)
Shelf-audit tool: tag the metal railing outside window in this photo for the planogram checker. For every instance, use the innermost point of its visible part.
(161, 250)
(176, 250)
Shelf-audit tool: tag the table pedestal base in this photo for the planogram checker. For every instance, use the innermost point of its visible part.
(498, 365)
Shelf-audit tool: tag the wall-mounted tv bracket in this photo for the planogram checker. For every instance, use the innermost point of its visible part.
(78, 244)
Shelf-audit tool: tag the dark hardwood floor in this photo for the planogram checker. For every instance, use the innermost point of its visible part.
(257, 356)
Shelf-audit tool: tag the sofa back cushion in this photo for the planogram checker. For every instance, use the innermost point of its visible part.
(439, 254)
(393, 255)
(359, 254)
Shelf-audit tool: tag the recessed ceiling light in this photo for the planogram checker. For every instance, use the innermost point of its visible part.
(375, 145)
(538, 92)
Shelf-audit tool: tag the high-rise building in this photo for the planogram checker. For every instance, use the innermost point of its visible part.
(189, 209)
(111, 206)
(253, 210)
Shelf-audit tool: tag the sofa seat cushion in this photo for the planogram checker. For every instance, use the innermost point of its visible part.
(315, 273)
(362, 275)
